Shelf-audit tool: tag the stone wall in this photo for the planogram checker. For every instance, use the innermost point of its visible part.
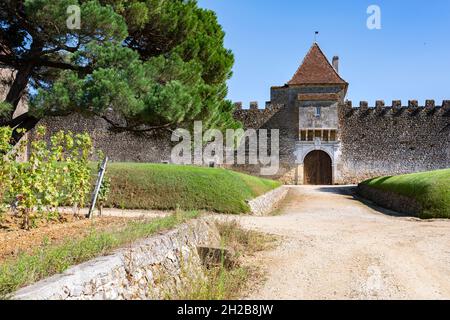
(327, 120)
(390, 200)
(392, 140)
(154, 268)
(372, 141)
(274, 116)
(288, 173)
(269, 202)
(118, 146)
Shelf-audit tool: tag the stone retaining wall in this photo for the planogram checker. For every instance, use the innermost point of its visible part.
(390, 200)
(268, 202)
(155, 268)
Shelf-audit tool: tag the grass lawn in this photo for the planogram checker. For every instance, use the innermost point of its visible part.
(49, 259)
(168, 187)
(430, 189)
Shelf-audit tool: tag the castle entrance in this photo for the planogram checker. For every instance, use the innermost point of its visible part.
(318, 168)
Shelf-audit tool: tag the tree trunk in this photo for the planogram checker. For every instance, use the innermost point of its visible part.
(19, 86)
(17, 90)
(28, 123)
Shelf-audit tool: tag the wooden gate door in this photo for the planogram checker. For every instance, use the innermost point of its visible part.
(318, 168)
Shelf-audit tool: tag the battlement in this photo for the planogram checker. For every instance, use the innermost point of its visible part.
(254, 107)
(397, 107)
(254, 117)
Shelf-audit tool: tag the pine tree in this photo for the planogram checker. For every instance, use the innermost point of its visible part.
(140, 65)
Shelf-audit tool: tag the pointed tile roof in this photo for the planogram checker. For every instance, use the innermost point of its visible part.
(316, 69)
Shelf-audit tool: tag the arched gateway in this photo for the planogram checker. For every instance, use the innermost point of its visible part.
(318, 168)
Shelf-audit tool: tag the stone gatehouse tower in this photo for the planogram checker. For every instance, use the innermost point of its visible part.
(324, 140)
(312, 97)
(307, 118)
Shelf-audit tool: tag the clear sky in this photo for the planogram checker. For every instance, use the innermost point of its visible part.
(409, 58)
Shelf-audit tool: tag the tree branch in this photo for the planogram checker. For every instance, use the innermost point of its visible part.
(60, 48)
(121, 128)
(9, 61)
(60, 65)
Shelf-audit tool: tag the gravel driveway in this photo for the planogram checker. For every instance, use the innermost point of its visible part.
(335, 247)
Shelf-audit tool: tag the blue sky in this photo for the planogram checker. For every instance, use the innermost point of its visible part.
(409, 58)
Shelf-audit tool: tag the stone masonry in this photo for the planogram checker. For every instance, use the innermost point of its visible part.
(118, 146)
(359, 143)
(392, 140)
(152, 269)
(323, 138)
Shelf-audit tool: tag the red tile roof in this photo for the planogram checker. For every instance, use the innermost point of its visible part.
(316, 69)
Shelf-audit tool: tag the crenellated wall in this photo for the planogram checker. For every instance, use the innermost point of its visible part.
(395, 139)
(373, 141)
(254, 117)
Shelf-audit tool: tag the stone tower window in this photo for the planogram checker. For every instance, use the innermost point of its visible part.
(325, 135)
(318, 112)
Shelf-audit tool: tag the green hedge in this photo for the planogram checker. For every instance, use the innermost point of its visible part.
(430, 189)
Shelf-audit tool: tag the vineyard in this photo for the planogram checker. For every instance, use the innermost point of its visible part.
(56, 174)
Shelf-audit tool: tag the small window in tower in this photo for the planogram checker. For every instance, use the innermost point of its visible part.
(318, 112)
(326, 135)
(318, 134)
(333, 135)
(303, 135)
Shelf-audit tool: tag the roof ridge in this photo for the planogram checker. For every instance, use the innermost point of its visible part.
(316, 72)
(328, 61)
(304, 58)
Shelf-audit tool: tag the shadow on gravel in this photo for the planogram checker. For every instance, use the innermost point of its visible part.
(351, 192)
(341, 190)
(382, 210)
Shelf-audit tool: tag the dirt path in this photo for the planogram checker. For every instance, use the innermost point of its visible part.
(335, 247)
